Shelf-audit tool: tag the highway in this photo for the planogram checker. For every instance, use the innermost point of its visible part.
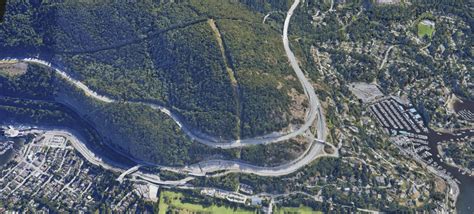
(198, 169)
(104, 163)
(131, 170)
(79, 146)
(194, 135)
(313, 112)
(205, 167)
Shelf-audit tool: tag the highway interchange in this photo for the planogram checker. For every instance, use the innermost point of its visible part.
(315, 150)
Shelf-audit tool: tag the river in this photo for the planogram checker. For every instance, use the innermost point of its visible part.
(465, 203)
(465, 200)
(76, 124)
(8, 155)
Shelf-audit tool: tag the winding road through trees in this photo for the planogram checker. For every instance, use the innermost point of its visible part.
(201, 169)
(311, 115)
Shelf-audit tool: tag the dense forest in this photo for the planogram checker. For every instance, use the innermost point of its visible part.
(40, 97)
(354, 38)
(168, 54)
(267, 5)
(36, 83)
(165, 52)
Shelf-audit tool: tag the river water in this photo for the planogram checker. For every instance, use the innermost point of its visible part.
(465, 203)
(6, 157)
(77, 125)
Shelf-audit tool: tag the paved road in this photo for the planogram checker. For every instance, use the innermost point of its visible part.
(195, 135)
(131, 170)
(199, 169)
(206, 167)
(106, 164)
(203, 168)
(313, 112)
(80, 147)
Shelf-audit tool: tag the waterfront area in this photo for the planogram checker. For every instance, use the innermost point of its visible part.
(223, 107)
(57, 160)
(8, 146)
(416, 141)
(400, 120)
(465, 109)
(56, 165)
(48, 166)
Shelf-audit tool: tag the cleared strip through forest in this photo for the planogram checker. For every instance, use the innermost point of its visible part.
(202, 168)
(230, 72)
(314, 112)
(149, 35)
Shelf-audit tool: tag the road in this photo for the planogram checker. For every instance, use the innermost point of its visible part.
(206, 167)
(314, 104)
(311, 115)
(79, 146)
(131, 170)
(386, 57)
(104, 163)
(203, 168)
(198, 169)
(268, 15)
(194, 135)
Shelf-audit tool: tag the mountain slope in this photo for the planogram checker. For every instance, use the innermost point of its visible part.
(212, 62)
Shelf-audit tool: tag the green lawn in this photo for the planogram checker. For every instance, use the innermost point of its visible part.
(425, 29)
(296, 210)
(173, 199)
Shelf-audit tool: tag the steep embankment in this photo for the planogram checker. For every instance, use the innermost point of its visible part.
(169, 56)
(144, 133)
(137, 129)
(224, 83)
(230, 72)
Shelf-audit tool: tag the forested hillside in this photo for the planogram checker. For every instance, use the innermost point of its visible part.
(232, 82)
(40, 97)
(267, 5)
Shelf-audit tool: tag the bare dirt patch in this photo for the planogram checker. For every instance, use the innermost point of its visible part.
(13, 69)
(440, 185)
(218, 36)
(298, 104)
(290, 77)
